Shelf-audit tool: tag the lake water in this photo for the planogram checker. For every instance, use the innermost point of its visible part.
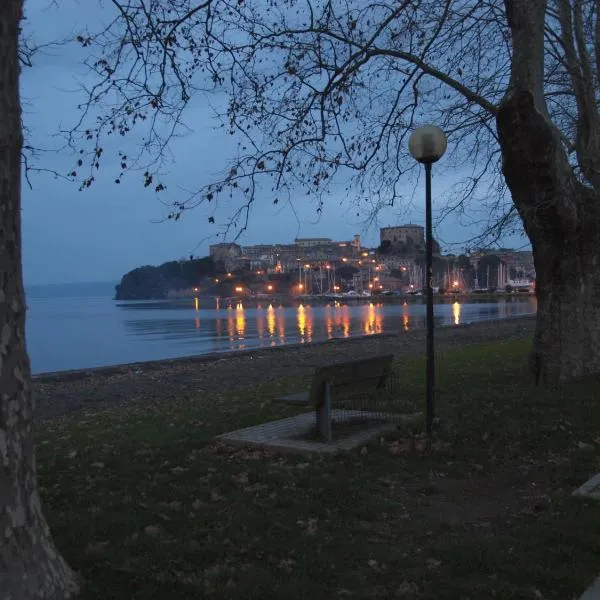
(81, 332)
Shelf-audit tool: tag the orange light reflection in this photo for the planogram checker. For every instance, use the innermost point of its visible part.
(240, 320)
(271, 320)
(281, 324)
(456, 313)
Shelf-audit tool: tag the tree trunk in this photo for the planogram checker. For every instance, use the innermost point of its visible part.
(567, 337)
(561, 215)
(30, 566)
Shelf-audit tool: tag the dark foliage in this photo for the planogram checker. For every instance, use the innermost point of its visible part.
(150, 282)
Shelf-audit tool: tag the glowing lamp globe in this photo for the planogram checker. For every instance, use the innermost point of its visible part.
(427, 144)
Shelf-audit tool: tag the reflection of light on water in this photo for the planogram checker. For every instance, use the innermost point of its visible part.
(373, 323)
(196, 307)
(218, 304)
(301, 321)
(309, 323)
(240, 320)
(281, 323)
(305, 322)
(456, 313)
(370, 319)
(378, 320)
(271, 320)
(346, 320)
(338, 318)
(260, 322)
(231, 327)
(405, 316)
(328, 321)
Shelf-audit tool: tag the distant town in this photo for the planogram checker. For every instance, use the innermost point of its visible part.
(322, 267)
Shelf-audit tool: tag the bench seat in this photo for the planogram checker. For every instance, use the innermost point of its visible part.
(299, 399)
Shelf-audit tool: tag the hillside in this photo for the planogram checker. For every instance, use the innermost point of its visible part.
(151, 283)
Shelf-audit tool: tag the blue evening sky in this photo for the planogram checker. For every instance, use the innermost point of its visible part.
(100, 234)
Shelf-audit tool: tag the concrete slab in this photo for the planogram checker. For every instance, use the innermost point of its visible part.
(593, 592)
(292, 434)
(590, 489)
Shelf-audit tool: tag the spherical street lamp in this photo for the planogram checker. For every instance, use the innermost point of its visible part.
(427, 145)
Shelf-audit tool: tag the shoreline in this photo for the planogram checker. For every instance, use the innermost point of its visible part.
(63, 393)
(149, 365)
(295, 299)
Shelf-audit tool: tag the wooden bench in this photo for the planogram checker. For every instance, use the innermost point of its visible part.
(340, 381)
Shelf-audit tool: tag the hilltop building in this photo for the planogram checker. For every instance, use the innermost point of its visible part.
(226, 253)
(403, 237)
(312, 242)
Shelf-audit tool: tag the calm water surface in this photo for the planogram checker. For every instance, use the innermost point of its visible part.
(75, 333)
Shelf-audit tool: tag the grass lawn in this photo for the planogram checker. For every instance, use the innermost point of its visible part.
(144, 504)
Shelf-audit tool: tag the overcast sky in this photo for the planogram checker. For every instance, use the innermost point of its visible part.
(109, 229)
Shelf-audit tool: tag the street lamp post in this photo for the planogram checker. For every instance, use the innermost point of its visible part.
(427, 145)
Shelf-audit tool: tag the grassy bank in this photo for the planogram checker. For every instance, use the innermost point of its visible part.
(145, 505)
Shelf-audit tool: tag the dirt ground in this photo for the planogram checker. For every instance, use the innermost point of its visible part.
(69, 392)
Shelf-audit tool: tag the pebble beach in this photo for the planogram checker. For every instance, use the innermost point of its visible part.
(70, 393)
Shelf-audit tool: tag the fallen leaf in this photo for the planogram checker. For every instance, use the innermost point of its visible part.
(407, 589)
(152, 530)
(585, 446)
(96, 548)
(420, 445)
(433, 563)
(312, 527)
(215, 496)
(396, 447)
(72, 454)
(196, 504)
(240, 478)
(363, 450)
(286, 564)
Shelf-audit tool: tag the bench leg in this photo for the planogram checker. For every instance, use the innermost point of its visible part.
(324, 416)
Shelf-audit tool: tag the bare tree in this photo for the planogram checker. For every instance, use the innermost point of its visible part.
(30, 566)
(326, 89)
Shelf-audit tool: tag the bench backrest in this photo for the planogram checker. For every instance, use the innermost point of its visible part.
(351, 378)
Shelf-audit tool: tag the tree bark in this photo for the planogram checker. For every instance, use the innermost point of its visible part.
(559, 213)
(30, 566)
